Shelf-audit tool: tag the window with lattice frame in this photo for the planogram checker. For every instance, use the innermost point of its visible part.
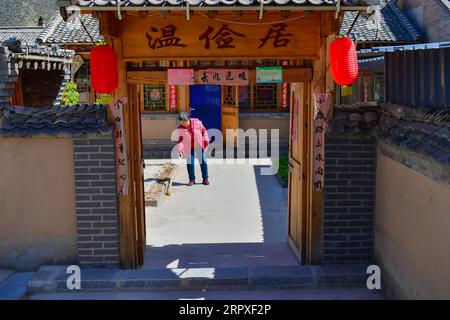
(154, 97)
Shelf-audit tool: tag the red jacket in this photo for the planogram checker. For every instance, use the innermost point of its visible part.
(194, 136)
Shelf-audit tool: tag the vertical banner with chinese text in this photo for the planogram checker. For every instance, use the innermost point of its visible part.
(172, 96)
(121, 148)
(284, 95)
(322, 103)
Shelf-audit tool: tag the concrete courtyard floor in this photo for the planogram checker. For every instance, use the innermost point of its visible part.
(239, 220)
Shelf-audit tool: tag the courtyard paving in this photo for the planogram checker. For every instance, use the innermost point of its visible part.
(240, 219)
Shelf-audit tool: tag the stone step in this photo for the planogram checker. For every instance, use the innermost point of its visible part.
(4, 86)
(6, 92)
(15, 286)
(5, 100)
(53, 278)
(8, 79)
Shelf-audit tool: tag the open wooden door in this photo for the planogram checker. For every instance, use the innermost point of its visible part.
(230, 112)
(298, 162)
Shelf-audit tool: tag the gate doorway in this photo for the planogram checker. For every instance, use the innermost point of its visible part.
(299, 46)
(205, 104)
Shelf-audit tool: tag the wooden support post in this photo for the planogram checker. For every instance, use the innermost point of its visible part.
(322, 83)
(129, 255)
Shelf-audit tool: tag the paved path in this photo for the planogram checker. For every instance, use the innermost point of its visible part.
(240, 206)
(240, 219)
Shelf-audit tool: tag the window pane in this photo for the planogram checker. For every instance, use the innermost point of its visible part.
(155, 97)
(244, 97)
(265, 96)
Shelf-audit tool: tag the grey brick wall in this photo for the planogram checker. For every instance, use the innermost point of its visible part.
(349, 198)
(96, 201)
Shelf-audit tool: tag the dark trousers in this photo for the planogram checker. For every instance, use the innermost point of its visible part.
(201, 156)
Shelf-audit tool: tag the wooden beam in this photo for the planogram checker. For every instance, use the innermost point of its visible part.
(289, 75)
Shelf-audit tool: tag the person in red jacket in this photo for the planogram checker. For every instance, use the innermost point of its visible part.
(192, 142)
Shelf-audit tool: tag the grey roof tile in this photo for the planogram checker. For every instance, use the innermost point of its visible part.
(213, 3)
(58, 31)
(27, 35)
(53, 121)
(394, 26)
(430, 138)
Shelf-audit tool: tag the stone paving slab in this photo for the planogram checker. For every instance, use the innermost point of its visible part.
(4, 274)
(229, 295)
(15, 287)
(54, 280)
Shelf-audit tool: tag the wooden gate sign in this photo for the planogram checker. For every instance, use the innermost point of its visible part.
(180, 76)
(322, 104)
(223, 76)
(269, 74)
(121, 148)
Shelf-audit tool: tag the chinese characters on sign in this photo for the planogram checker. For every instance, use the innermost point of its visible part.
(294, 125)
(223, 76)
(269, 74)
(322, 104)
(224, 37)
(277, 34)
(284, 95)
(172, 96)
(121, 149)
(166, 37)
(180, 76)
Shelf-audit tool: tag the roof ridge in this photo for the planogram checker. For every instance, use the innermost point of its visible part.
(50, 28)
(20, 27)
(406, 22)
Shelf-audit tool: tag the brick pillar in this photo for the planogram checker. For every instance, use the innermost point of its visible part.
(96, 201)
(349, 198)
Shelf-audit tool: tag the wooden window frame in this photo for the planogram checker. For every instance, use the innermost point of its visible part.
(166, 110)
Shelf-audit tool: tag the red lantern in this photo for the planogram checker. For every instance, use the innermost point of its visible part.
(344, 61)
(104, 74)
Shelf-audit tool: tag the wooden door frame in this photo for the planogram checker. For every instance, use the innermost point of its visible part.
(129, 222)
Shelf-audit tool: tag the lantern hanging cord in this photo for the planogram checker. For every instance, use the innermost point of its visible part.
(254, 23)
(85, 29)
(353, 24)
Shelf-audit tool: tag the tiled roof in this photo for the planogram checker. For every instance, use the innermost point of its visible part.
(27, 52)
(126, 4)
(353, 119)
(26, 34)
(58, 31)
(53, 121)
(9, 75)
(26, 13)
(394, 26)
(427, 134)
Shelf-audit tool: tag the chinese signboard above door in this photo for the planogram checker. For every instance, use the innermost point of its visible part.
(180, 76)
(204, 37)
(223, 76)
(269, 74)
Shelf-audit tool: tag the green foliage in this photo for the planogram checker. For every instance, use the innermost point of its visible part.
(283, 169)
(70, 95)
